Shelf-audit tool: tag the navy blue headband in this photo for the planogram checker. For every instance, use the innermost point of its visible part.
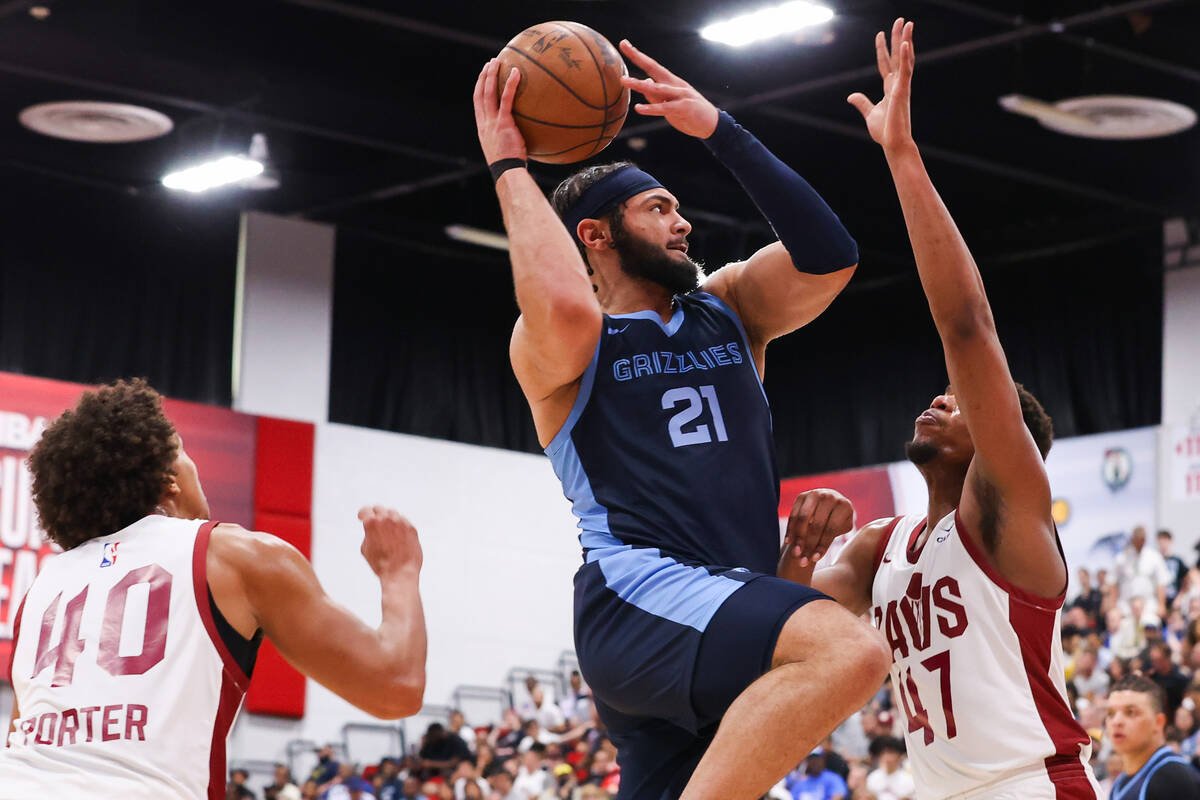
(606, 194)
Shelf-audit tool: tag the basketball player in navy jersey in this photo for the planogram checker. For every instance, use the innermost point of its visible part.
(95, 718)
(713, 676)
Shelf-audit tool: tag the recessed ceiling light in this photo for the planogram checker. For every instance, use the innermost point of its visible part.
(1105, 116)
(211, 174)
(767, 23)
(89, 121)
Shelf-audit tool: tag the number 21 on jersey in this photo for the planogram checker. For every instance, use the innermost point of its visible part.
(693, 402)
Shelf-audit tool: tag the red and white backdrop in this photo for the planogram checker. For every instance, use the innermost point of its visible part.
(256, 472)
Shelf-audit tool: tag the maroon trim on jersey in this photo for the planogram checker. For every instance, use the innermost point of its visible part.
(881, 548)
(16, 630)
(914, 555)
(1037, 633)
(227, 708)
(984, 563)
(200, 584)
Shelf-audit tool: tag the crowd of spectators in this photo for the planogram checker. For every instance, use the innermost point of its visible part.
(1141, 616)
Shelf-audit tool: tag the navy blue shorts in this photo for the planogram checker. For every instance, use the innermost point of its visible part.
(667, 651)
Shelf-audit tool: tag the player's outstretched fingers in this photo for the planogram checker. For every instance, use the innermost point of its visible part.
(649, 65)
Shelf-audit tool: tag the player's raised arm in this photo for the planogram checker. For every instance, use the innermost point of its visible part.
(560, 319)
(1006, 498)
(260, 581)
(786, 284)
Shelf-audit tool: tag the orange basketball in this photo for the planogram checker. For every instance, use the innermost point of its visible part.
(570, 102)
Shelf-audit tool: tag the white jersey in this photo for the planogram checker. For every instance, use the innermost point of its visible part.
(123, 685)
(977, 669)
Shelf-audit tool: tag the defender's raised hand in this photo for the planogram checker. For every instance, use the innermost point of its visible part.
(390, 544)
(498, 133)
(888, 121)
(818, 517)
(669, 96)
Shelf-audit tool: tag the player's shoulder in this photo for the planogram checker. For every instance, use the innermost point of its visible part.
(247, 548)
(1174, 780)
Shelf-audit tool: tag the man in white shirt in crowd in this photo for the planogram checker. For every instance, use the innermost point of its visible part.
(1141, 572)
(532, 779)
(1090, 682)
(891, 780)
(459, 727)
(575, 705)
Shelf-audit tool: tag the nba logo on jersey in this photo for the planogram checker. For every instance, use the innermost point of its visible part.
(109, 557)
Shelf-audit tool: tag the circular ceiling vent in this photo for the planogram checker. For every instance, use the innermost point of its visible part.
(88, 121)
(1119, 117)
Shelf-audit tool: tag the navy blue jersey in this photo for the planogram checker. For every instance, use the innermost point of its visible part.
(669, 443)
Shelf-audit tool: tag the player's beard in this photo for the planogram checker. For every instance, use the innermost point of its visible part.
(920, 452)
(643, 259)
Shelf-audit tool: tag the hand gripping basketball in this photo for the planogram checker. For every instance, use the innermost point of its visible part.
(498, 133)
(669, 96)
(390, 544)
(818, 517)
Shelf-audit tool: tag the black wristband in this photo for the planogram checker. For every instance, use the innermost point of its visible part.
(498, 168)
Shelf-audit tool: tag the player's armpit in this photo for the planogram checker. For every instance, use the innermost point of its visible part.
(382, 671)
(771, 297)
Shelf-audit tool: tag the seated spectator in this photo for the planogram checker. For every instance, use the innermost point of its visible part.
(388, 783)
(339, 787)
(506, 736)
(892, 780)
(816, 782)
(532, 778)
(1175, 566)
(1089, 681)
(460, 728)
(326, 768)
(1089, 596)
(548, 715)
(603, 771)
(501, 782)
(1130, 638)
(1140, 571)
(441, 751)
(570, 705)
(282, 787)
(1167, 676)
(535, 734)
(850, 738)
(236, 789)
(309, 790)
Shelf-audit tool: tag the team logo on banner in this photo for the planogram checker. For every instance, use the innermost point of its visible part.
(109, 557)
(1117, 467)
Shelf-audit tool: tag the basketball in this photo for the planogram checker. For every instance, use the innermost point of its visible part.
(570, 102)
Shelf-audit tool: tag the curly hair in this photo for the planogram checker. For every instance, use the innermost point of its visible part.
(1037, 420)
(103, 465)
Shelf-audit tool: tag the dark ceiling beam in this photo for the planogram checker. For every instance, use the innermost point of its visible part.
(975, 162)
(390, 20)
(938, 54)
(241, 114)
(1084, 42)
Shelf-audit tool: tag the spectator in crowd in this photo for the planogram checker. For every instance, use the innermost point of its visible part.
(1175, 566)
(891, 780)
(532, 779)
(326, 768)
(573, 706)
(310, 790)
(505, 738)
(1136, 722)
(388, 783)
(1089, 597)
(536, 734)
(464, 775)
(237, 789)
(548, 715)
(355, 788)
(339, 787)
(1089, 681)
(441, 751)
(603, 770)
(851, 737)
(282, 787)
(501, 782)
(815, 782)
(1130, 637)
(1140, 571)
(411, 788)
(460, 728)
(1167, 675)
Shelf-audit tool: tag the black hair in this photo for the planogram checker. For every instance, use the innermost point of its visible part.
(1142, 684)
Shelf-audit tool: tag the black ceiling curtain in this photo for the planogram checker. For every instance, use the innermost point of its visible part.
(420, 343)
(97, 285)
